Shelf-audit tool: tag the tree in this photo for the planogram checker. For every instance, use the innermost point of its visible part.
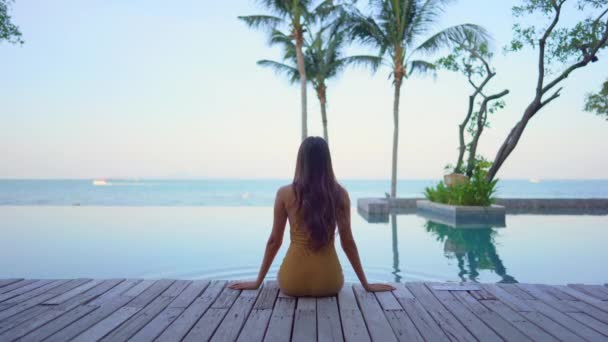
(323, 60)
(9, 32)
(394, 29)
(566, 47)
(472, 59)
(598, 103)
(296, 14)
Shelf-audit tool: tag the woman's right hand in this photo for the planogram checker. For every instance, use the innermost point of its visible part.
(378, 287)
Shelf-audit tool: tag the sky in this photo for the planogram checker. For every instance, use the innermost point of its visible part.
(170, 89)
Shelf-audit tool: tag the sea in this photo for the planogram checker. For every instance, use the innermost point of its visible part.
(246, 192)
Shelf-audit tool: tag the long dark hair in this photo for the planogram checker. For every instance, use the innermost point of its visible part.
(318, 194)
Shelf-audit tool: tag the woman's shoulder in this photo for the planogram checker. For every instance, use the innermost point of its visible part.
(285, 192)
(343, 194)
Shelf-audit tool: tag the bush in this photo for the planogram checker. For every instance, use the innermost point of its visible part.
(477, 192)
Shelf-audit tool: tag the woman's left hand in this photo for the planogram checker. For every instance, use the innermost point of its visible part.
(244, 285)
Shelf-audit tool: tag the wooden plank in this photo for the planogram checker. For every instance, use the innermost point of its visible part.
(353, 324)
(268, 295)
(551, 327)
(139, 318)
(156, 326)
(29, 303)
(602, 305)
(123, 314)
(68, 286)
(556, 293)
(468, 319)
(205, 327)
(51, 313)
(592, 311)
(255, 326)
(73, 292)
(34, 312)
(150, 293)
(377, 324)
(87, 296)
(139, 288)
(176, 288)
(225, 299)
(5, 282)
(184, 299)
(540, 294)
(182, 324)
(57, 324)
(388, 301)
(107, 317)
(455, 287)
(449, 324)
(41, 295)
(280, 325)
(566, 321)
(85, 322)
(23, 316)
(106, 325)
(503, 328)
(115, 292)
(257, 322)
(232, 324)
(402, 325)
(16, 285)
(516, 291)
(425, 324)
(208, 323)
(597, 291)
(145, 315)
(518, 321)
(591, 322)
(305, 320)
(328, 320)
(509, 299)
(23, 289)
(482, 294)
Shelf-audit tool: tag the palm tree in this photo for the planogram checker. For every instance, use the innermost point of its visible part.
(395, 29)
(295, 14)
(323, 60)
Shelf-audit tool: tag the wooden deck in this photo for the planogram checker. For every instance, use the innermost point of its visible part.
(174, 310)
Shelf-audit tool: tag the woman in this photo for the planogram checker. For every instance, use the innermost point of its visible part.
(314, 204)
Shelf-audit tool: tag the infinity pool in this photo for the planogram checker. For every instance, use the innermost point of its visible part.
(228, 243)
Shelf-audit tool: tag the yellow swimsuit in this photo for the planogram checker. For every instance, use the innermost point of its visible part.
(305, 272)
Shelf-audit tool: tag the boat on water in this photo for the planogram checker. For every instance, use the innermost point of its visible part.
(100, 182)
(534, 180)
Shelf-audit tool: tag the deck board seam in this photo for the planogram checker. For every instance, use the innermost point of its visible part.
(553, 307)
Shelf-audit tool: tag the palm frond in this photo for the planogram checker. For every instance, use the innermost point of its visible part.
(281, 68)
(421, 67)
(267, 22)
(423, 15)
(325, 10)
(373, 62)
(447, 37)
(367, 31)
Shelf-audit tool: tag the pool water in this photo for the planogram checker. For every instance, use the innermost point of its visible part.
(228, 243)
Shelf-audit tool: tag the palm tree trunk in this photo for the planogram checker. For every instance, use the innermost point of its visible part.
(324, 118)
(303, 81)
(321, 94)
(398, 81)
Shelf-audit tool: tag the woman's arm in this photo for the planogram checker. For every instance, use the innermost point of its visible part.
(272, 246)
(350, 247)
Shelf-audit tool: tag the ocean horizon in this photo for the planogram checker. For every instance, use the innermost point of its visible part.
(248, 192)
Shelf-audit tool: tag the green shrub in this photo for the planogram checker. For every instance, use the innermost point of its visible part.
(477, 192)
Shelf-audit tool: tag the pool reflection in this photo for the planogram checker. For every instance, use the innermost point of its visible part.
(474, 250)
